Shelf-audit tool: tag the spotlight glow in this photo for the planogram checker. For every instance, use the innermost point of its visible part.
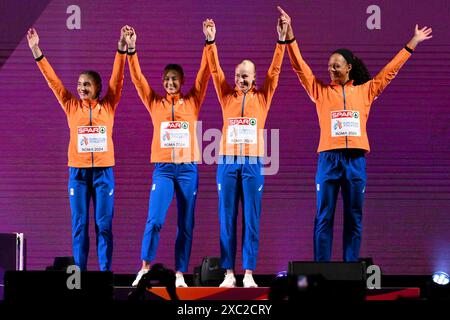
(281, 274)
(440, 277)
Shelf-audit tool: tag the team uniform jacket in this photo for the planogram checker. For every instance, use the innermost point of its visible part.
(88, 117)
(343, 110)
(172, 113)
(244, 108)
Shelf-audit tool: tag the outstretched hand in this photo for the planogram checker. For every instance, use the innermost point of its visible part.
(209, 29)
(419, 36)
(33, 38)
(33, 42)
(422, 34)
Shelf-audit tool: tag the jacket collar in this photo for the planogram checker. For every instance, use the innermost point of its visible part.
(348, 83)
(89, 102)
(239, 92)
(175, 98)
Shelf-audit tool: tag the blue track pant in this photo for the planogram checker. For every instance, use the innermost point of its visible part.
(167, 179)
(97, 183)
(239, 178)
(345, 169)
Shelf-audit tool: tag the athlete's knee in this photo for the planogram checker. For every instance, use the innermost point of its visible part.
(80, 228)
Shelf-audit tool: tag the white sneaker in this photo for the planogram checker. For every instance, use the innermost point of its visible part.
(139, 276)
(179, 281)
(229, 281)
(249, 282)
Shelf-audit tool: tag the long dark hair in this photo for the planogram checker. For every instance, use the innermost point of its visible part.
(97, 79)
(359, 73)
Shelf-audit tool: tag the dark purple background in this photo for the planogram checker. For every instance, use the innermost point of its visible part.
(406, 218)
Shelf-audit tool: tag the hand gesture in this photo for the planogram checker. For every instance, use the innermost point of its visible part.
(130, 37)
(33, 38)
(209, 29)
(282, 27)
(419, 36)
(285, 17)
(422, 34)
(122, 45)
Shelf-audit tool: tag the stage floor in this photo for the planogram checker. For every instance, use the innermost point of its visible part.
(254, 294)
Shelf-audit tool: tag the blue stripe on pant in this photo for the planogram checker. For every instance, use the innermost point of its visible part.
(336, 169)
(97, 183)
(239, 178)
(169, 178)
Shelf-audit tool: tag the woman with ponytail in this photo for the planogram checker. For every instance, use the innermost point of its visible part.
(343, 109)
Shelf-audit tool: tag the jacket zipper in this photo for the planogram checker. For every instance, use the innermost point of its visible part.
(343, 93)
(90, 123)
(173, 119)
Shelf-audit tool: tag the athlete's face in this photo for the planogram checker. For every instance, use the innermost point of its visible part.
(244, 76)
(87, 88)
(172, 81)
(339, 69)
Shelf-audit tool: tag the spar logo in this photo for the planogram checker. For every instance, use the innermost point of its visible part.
(91, 130)
(344, 114)
(177, 125)
(242, 122)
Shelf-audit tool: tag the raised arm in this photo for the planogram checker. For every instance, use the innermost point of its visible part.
(385, 76)
(223, 89)
(115, 84)
(273, 74)
(61, 93)
(144, 90)
(304, 73)
(198, 91)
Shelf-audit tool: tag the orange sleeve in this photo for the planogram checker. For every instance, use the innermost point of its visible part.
(223, 89)
(198, 91)
(304, 73)
(144, 90)
(61, 93)
(115, 84)
(387, 74)
(273, 74)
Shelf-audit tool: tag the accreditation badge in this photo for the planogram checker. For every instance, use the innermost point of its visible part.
(92, 139)
(345, 123)
(242, 130)
(174, 134)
